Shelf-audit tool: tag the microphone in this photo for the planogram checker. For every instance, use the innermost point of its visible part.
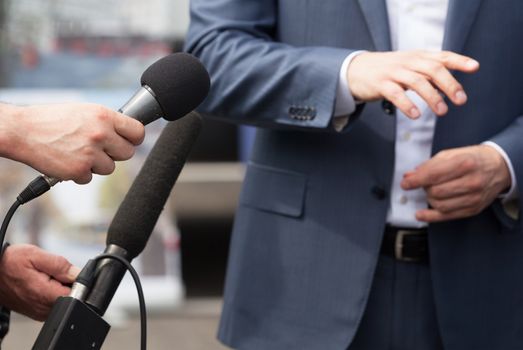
(171, 87)
(136, 217)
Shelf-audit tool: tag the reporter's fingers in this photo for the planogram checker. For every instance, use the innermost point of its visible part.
(103, 165)
(52, 265)
(129, 128)
(397, 96)
(118, 148)
(420, 84)
(84, 178)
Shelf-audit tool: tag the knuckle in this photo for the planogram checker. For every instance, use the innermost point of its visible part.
(432, 177)
(476, 200)
(97, 136)
(444, 56)
(101, 113)
(435, 67)
(436, 192)
(81, 168)
(455, 87)
(395, 94)
(475, 184)
(435, 204)
(442, 154)
(110, 168)
(418, 81)
(129, 153)
(467, 164)
(106, 169)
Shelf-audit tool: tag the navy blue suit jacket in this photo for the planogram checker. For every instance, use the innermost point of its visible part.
(314, 202)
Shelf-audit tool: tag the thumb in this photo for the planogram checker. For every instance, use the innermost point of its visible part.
(55, 266)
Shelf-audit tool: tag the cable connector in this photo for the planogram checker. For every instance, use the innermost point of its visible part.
(36, 188)
(84, 281)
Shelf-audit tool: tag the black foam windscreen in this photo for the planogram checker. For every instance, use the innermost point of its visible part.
(179, 83)
(136, 217)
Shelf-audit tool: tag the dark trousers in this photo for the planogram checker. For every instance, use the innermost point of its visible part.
(400, 313)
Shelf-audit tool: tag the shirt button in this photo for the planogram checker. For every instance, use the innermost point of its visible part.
(388, 107)
(404, 199)
(379, 192)
(406, 136)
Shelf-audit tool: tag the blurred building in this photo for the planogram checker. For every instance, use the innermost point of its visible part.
(39, 22)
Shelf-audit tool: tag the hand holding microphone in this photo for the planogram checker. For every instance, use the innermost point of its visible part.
(71, 142)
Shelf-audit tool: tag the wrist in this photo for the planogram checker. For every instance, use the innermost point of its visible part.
(502, 179)
(11, 120)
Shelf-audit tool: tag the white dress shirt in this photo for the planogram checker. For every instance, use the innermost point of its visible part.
(414, 24)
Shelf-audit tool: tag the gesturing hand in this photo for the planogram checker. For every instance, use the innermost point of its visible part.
(459, 182)
(376, 75)
(31, 280)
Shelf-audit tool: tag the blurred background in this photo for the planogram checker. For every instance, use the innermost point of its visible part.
(95, 51)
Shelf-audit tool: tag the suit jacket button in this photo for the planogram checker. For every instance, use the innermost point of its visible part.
(388, 107)
(379, 192)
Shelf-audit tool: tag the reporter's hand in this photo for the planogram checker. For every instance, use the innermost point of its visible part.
(70, 141)
(376, 75)
(31, 280)
(459, 182)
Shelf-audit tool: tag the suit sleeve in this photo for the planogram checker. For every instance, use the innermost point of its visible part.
(256, 79)
(511, 142)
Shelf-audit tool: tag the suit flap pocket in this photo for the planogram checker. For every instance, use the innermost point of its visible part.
(274, 190)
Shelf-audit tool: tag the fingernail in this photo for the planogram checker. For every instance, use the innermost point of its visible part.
(441, 108)
(414, 112)
(472, 64)
(461, 96)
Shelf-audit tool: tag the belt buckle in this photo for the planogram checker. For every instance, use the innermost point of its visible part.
(398, 245)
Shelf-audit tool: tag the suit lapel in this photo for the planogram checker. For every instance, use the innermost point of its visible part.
(375, 13)
(461, 16)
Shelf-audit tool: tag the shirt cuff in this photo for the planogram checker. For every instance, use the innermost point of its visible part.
(345, 104)
(512, 193)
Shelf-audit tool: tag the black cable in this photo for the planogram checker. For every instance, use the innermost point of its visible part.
(36, 188)
(141, 298)
(39, 186)
(7, 220)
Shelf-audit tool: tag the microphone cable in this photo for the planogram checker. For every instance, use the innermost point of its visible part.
(87, 276)
(35, 189)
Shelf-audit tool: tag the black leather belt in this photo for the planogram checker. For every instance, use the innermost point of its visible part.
(406, 244)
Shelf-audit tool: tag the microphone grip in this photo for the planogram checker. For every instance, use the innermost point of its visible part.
(109, 273)
(142, 106)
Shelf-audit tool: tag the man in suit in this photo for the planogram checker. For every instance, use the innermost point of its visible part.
(375, 208)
